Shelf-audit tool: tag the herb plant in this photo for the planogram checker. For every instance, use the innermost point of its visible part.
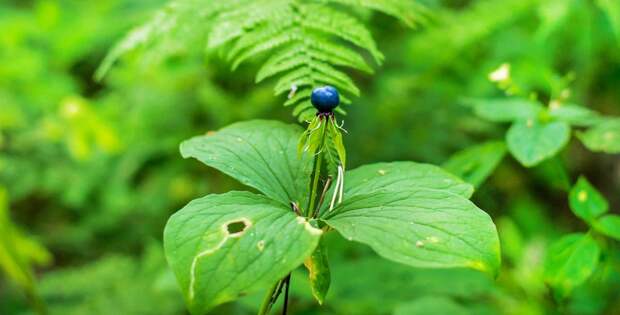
(515, 100)
(224, 246)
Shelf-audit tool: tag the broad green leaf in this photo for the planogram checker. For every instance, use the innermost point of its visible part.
(432, 305)
(574, 114)
(604, 137)
(570, 261)
(223, 246)
(532, 142)
(506, 110)
(319, 274)
(402, 176)
(421, 228)
(476, 163)
(260, 154)
(586, 202)
(608, 225)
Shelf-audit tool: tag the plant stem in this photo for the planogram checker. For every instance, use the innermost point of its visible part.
(326, 186)
(268, 299)
(276, 289)
(316, 172)
(287, 282)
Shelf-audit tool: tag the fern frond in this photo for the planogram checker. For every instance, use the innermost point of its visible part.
(310, 42)
(410, 12)
(180, 23)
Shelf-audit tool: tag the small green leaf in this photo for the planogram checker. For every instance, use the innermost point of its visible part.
(223, 246)
(608, 225)
(476, 163)
(421, 228)
(506, 110)
(574, 114)
(586, 202)
(570, 261)
(402, 176)
(319, 274)
(258, 153)
(532, 142)
(604, 137)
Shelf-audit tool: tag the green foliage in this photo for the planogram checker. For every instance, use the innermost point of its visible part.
(507, 110)
(431, 305)
(319, 273)
(114, 285)
(260, 154)
(302, 37)
(586, 202)
(476, 163)
(603, 137)
(382, 210)
(609, 225)
(223, 246)
(420, 227)
(539, 133)
(399, 176)
(570, 261)
(401, 284)
(19, 254)
(93, 172)
(532, 142)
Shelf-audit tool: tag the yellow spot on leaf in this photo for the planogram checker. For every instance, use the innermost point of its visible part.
(582, 196)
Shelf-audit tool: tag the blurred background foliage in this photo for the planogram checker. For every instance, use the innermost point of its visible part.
(91, 169)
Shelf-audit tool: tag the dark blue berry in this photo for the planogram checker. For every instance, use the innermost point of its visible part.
(325, 99)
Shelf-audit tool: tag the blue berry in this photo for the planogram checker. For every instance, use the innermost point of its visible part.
(325, 99)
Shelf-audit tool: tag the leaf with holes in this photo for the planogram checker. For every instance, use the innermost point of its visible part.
(421, 228)
(570, 261)
(604, 137)
(260, 154)
(223, 246)
(532, 142)
(586, 202)
(476, 163)
(402, 176)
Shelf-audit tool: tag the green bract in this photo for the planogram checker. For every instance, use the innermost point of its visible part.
(224, 246)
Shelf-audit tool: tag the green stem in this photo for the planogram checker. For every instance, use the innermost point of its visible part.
(267, 300)
(316, 172)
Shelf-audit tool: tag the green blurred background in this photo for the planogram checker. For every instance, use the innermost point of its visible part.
(91, 169)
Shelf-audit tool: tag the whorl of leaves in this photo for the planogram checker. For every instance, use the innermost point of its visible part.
(308, 42)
